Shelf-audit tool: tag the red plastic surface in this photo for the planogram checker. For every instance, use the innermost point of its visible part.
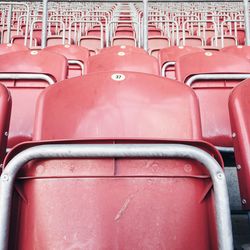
(8, 48)
(213, 95)
(5, 110)
(98, 106)
(116, 49)
(239, 109)
(71, 52)
(123, 40)
(114, 204)
(123, 61)
(25, 92)
(171, 54)
(243, 51)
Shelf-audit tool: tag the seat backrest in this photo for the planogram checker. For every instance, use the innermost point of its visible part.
(123, 41)
(90, 42)
(108, 105)
(9, 47)
(26, 74)
(213, 93)
(171, 54)
(115, 106)
(240, 50)
(124, 48)
(77, 57)
(123, 61)
(5, 110)
(239, 110)
(194, 41)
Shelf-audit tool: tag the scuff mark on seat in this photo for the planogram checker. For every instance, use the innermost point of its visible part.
(124, 207)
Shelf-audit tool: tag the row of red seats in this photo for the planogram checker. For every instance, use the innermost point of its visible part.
(108, 200)
(114, 101)
(185, 63)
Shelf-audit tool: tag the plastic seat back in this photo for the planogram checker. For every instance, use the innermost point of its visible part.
(124, 48)
(26, 74)
(127, 202)
(124, 61)
(213, 93)
(9, 47)
(111, 104)
(123, 40)
(170, 55)
(5, 111)
(77, 57)
(243, 51)
(239, 109)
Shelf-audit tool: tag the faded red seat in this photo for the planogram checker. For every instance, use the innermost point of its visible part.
(5, 110)
(155, 43)
(103, 88)
(124, 48)
(123, 61)
(194, 69)
(243, 51)
(58, 40)
(168, 57)
(123, 40)
(193, 41)
(227, 41)
(132, 202)
(239, 109)
(26, 74)
(9, 47)
(92, 43)
(19, 40)
(77, 57)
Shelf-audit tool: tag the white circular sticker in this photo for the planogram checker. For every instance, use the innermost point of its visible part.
(208, 53)
(181, 47)
(67, 46)
(118, 77)
(34, 52)
(121, 53)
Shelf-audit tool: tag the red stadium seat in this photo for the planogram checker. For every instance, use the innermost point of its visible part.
(133, 202)
(5, 110)
(243, 51)
(124, 61)
(239, 109)
(168, 57)
(9, 47)
(124, 48)
(26, 74)
(19, 40)
(193, 41)
(123, 40)
(92, 43)
(58, 40)
(194, 69)
(128, 85)
(227, 41)
(77, 57)
(155, 43)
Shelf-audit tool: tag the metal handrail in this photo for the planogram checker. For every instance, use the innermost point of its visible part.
(30, 76)
(90, 151)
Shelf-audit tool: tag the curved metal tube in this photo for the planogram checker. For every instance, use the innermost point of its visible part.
(194, 78)
(165, 66)
(223, 220)
(79, 63)
(23, 76)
